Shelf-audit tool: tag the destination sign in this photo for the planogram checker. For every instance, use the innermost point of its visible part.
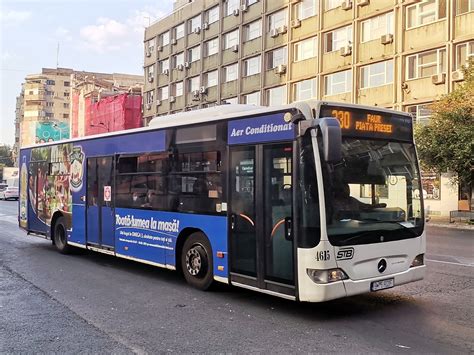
(358, 122)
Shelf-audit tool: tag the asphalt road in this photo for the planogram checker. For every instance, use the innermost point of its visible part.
(96, 303)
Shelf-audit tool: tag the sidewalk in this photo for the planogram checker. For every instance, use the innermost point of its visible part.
(444, 223)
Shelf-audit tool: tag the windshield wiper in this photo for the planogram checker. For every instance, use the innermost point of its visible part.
(375, 220)
(378, 233)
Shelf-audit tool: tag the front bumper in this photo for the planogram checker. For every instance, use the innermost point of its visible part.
(340, 289)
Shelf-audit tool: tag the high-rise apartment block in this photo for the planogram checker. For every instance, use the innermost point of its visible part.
(400, 54)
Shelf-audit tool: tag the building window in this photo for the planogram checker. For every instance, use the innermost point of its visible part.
(149, 97)
(163, 93)
(230, 6)
(252, 99)
(49, 104)
(464, 52)
(67, 84)
(165, 38)
(50, 82)
(425, 12)
(420, 113)
(150, 45)
(231, 39)
(278, 19)
(194, 54)
(231, 101)
(65, 115)
(306, 9)
(65, 105)
(276, 57)
(251, 2)
(194, 83)
(338, 83)
(337, 39)
(213, 15)
(276, 96)
(306, 89)
(211, 47)
(252, 66)
(306, 49)
(178, 59)
(231, 72)
(194, 23)
(253, 30)
(332, 4)
(425, 64)
(463, 6)
(66, 94)
(177, 88)
(377, 26)
(179, 31)
(150, 72)
(164, 65)
(376, 74)
(211, 79)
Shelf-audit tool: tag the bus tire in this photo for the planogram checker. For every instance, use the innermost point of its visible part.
(60, 237)
(196, 261)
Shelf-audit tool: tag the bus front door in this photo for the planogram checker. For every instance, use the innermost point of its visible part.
(261, 239)
(100, 212)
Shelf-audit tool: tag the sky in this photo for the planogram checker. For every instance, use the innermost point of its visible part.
(101, 36)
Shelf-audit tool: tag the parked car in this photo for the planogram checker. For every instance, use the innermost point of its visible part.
(9, 193)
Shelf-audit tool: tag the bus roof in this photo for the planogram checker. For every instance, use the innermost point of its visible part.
(218, 113)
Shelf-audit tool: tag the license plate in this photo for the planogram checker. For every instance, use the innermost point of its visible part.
(381, 284)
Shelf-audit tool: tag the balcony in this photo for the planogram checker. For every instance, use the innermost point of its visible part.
(464, 26)
(304, 68)
(378, 96)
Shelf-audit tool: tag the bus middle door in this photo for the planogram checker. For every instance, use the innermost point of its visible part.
(100, 211)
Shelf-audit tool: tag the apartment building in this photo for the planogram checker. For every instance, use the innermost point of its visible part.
(19, 111)
(400, 54)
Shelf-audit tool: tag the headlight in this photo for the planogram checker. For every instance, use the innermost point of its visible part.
(418, 261)
(326, 276)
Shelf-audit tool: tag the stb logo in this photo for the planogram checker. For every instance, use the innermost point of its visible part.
(345, 254)
(76, 174)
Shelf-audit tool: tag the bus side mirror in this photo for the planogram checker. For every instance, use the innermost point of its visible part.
(332, 139)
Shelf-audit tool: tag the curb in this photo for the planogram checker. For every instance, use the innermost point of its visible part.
(450, 225)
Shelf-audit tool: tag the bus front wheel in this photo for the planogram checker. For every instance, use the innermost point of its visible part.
(60, 237)
(196, 261)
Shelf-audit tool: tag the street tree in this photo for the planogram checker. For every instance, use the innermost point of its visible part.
(446, 143)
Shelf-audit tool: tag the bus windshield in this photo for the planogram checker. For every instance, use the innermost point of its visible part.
(373, 193)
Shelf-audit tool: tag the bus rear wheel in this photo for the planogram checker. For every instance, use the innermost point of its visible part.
(196, 261)
(60, 237)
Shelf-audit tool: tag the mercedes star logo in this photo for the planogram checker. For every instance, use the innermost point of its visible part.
(382, 265)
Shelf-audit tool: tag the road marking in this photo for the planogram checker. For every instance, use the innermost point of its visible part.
(449, 262)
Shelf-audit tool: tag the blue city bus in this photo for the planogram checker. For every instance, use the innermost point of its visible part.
(312, 201)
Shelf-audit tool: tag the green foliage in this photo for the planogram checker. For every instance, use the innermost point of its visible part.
(446, 143)
(6, 155)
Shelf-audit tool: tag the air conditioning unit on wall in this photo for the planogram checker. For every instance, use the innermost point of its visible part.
(458, 75)
(386, 39)
(438, 79)
(345, 51)
(280, 69)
